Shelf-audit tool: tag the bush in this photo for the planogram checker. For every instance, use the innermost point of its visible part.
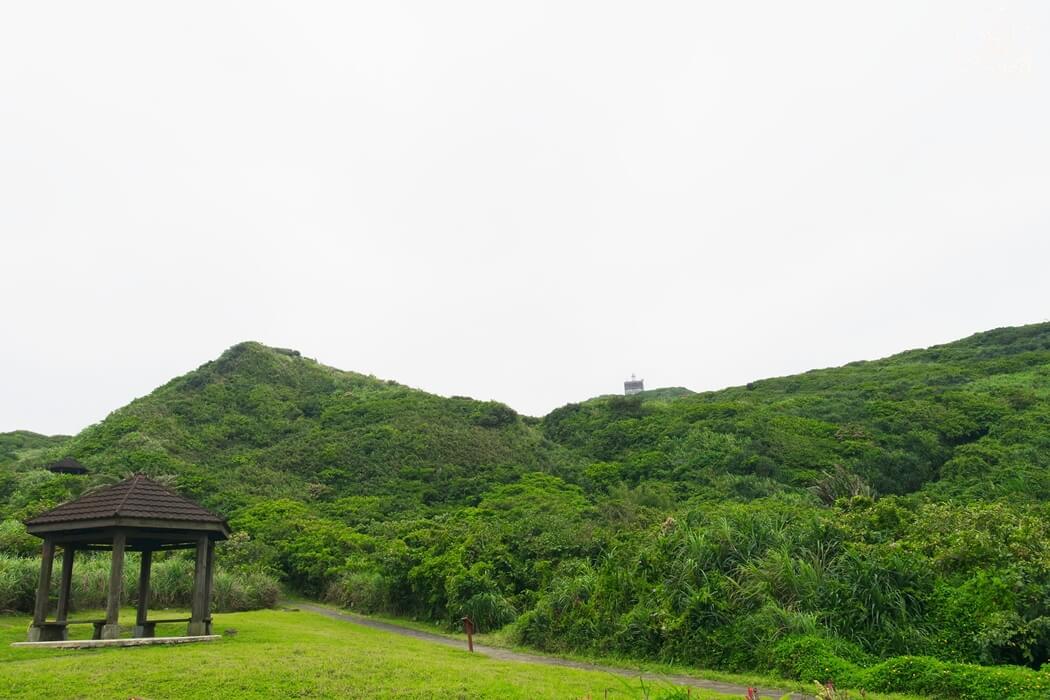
(493, 414)
(473, 593)
(15, 540)
(817, 659)
(489, 611)
(923, 675)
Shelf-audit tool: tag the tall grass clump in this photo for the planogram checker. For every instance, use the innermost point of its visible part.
(234, 591)
(361, 591)
(18, 579)
(171, 584)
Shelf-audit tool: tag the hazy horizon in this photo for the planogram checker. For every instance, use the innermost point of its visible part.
(525, 203)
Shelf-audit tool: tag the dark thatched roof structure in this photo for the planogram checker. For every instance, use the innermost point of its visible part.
(67, 465)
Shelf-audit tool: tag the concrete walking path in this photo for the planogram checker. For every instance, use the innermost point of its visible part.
(509, 655)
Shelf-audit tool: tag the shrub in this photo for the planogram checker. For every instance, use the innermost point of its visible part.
(489, 610)
(15, 540)
(818, 659)
(824, 660)
(493, 414)
(926, 676)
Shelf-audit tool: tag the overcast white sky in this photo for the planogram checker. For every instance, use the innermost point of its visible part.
(522, 201)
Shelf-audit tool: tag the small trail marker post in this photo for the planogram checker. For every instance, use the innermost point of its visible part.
(468, 628)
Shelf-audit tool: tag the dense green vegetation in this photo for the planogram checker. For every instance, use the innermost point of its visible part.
(865, 519)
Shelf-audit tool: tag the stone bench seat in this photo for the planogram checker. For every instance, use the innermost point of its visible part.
(149, 627)
(55, 630)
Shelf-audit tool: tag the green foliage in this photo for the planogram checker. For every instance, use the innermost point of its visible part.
(15, 540)
(932, 678)
(307, 550)
(493, 414)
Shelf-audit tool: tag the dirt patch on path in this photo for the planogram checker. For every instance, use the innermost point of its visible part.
(508, 655)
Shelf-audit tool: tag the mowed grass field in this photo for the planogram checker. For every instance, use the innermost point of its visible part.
(291, 654)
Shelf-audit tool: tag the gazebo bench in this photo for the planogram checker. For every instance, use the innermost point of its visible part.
(53, 631)
(148, 628)
(57, 629)
(97, 625)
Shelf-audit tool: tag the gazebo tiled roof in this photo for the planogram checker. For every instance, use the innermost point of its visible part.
(137, 498)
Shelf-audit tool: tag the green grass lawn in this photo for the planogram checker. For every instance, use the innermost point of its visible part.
(284, 654)
(502, 639)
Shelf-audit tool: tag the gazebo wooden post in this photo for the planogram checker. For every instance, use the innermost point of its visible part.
(210, 578)
(111, 630)
(65, 583)
(141, 614)
(43, 589)
(199, 609)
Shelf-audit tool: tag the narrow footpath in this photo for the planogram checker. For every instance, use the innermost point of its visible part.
(508, 655)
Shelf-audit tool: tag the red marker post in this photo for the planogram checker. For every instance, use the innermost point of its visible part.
(468, 628)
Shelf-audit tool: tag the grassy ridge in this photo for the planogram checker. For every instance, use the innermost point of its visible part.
(21, 444)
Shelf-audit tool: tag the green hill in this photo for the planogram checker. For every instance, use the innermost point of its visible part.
(830, 524)
(263, 422)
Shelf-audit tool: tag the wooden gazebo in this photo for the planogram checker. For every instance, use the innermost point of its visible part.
(137, 515)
